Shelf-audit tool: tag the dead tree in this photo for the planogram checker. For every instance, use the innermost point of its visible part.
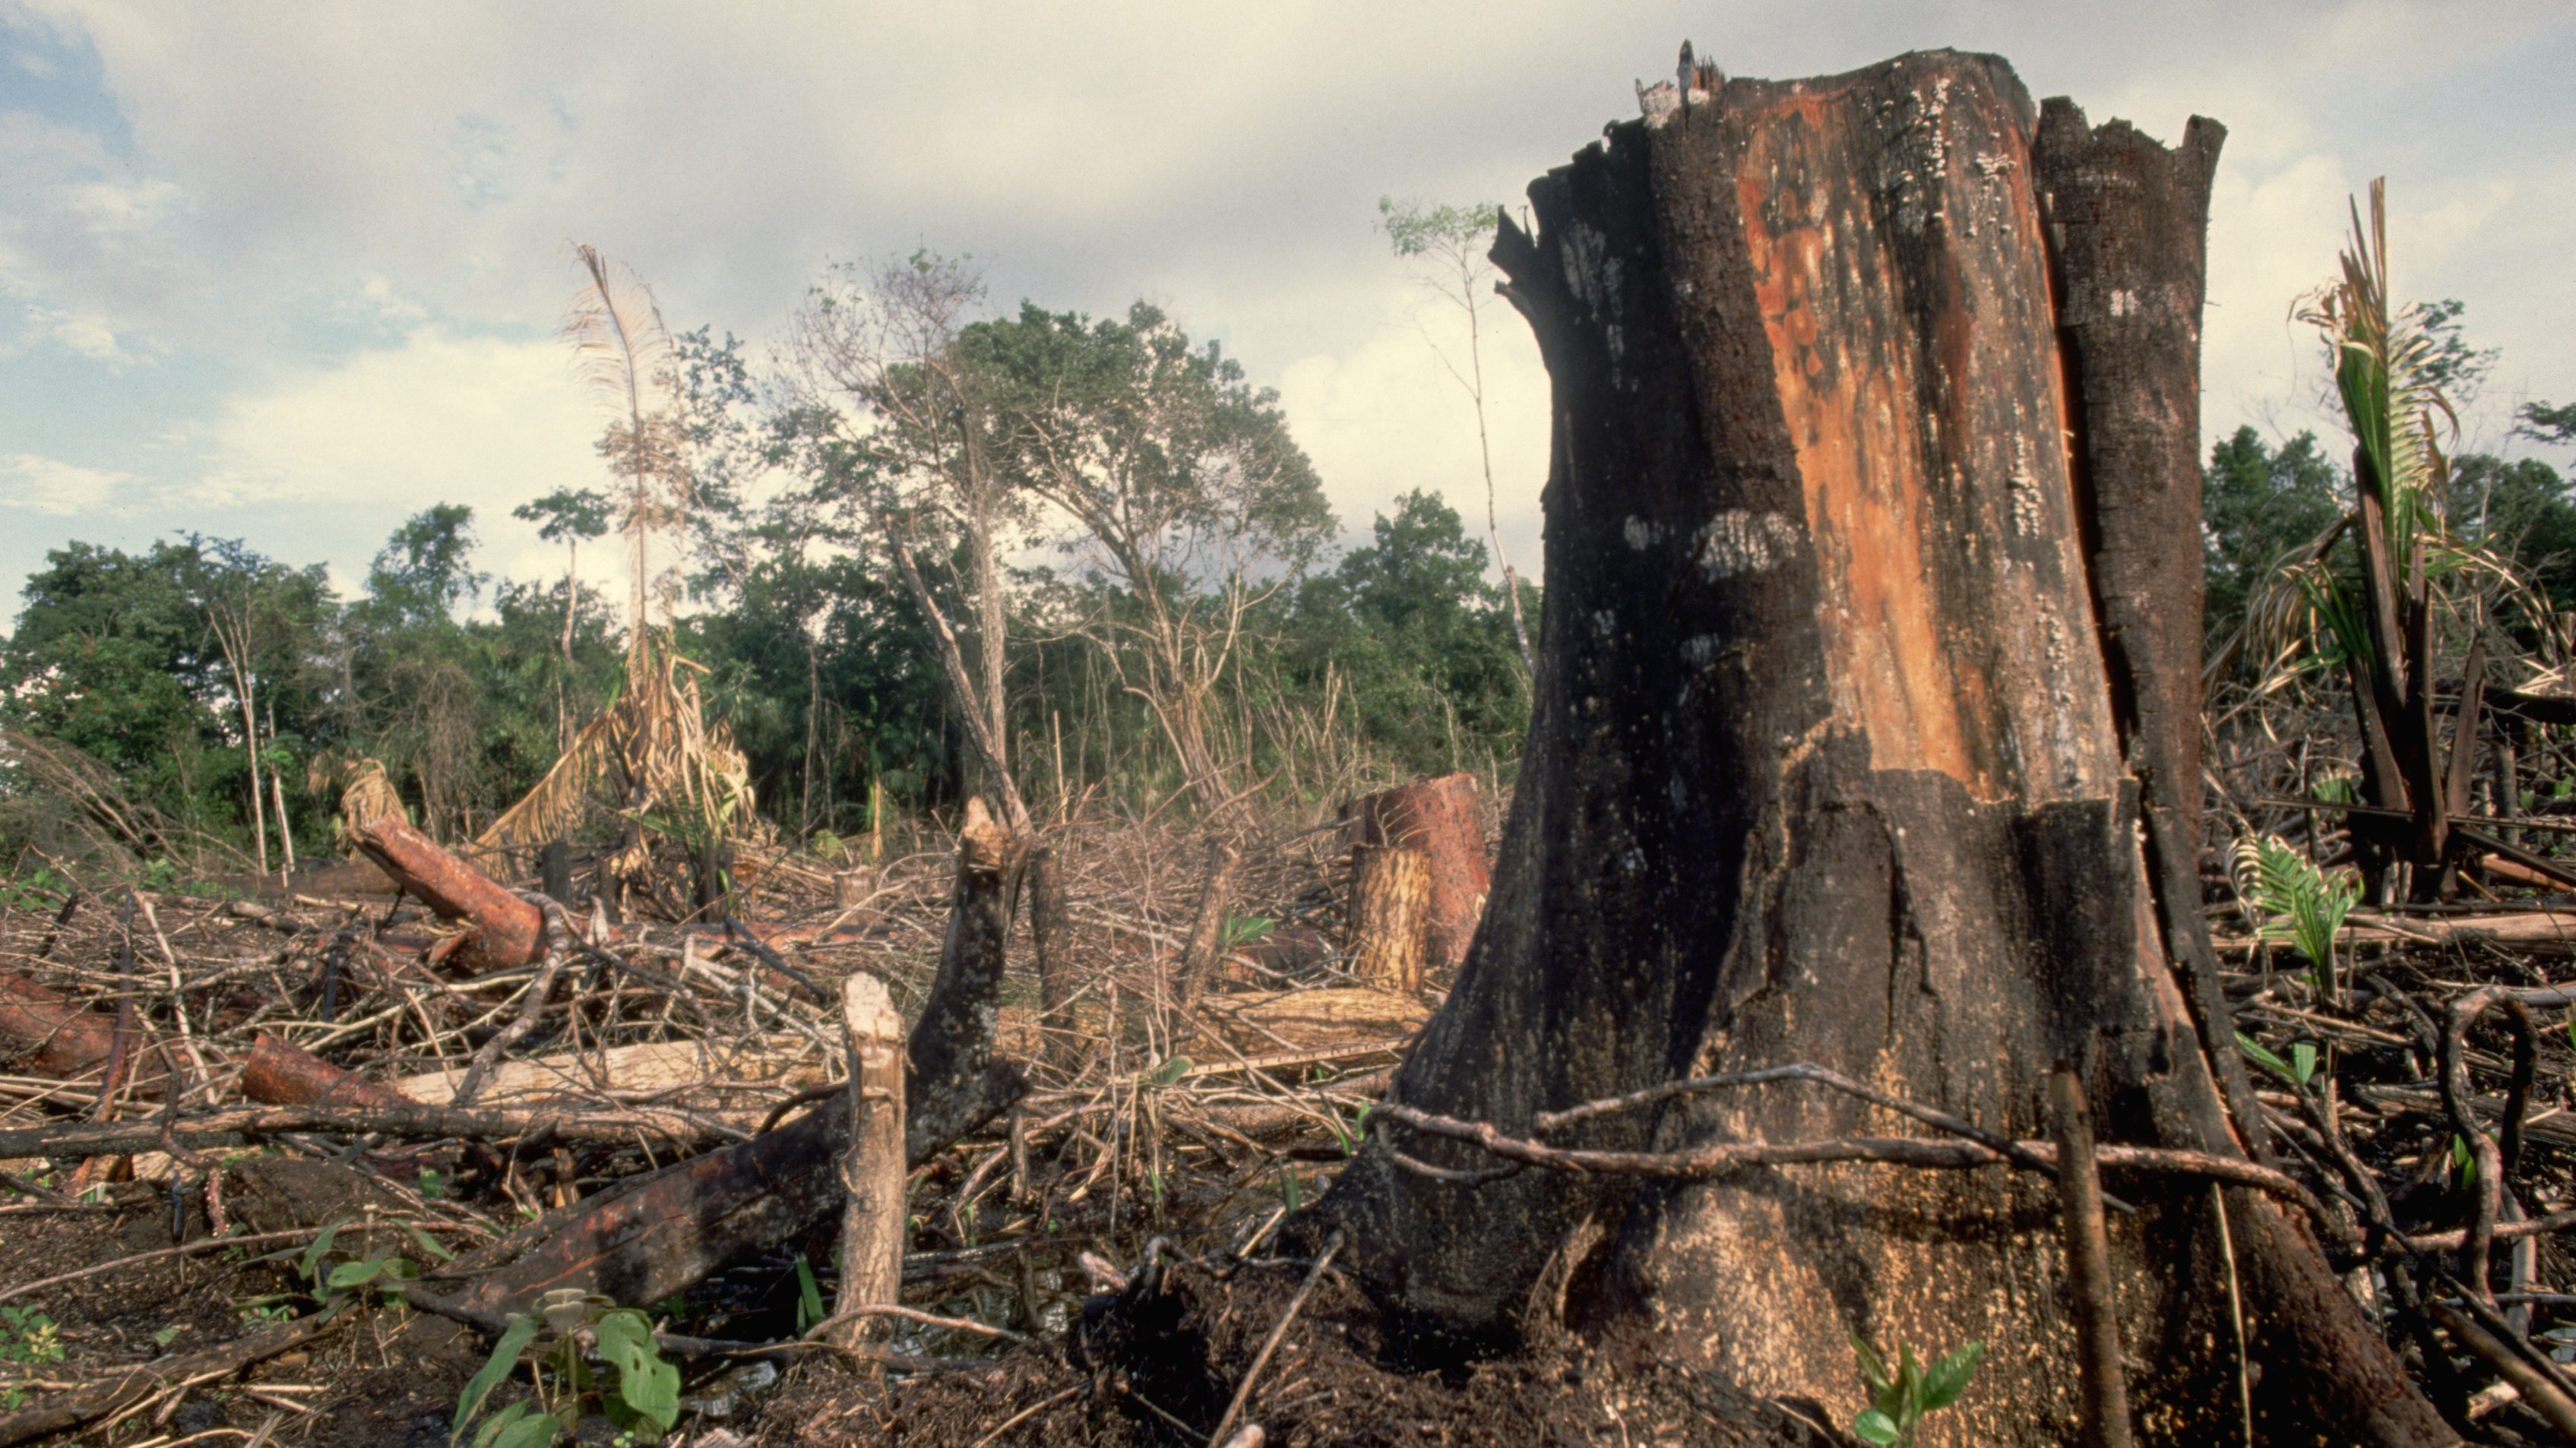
(1869, 660)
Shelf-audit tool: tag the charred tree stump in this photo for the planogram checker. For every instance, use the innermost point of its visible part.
(872, 1172)
(1861, 683)
(1437, 817)
(1390, 915)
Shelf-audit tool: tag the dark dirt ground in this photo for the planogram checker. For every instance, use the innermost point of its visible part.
(1155, 1369)
(389, 1376)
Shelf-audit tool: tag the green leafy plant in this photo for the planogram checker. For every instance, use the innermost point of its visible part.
(2300, 1070)
(2294, 901)
(1245, 929)
(1167, 1073)
(1899, 1398)
(559, 1346)
(809, 1299)
(29, 1336)
(334, 1282)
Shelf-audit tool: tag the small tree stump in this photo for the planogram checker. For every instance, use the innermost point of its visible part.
(872, 1168)
(851, 888)
(1207, 928)
(1438, 818)
(1390, 915)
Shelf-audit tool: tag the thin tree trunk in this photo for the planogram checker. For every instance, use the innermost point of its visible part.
(1051, 938)
(872, 1173)
(979, 729)
(1842, 755)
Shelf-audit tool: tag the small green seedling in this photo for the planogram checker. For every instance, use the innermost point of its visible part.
(1900, 1399)
(2294, 901)
(358, 1279)
(809, 1299)
(2300, 1070)
(559, 1346)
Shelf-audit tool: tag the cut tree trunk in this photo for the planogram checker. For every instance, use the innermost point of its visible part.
(1437, 817)
(1867, 662)
(1390, 914)
(872, 1174)
(505, 931)
(282, 1074)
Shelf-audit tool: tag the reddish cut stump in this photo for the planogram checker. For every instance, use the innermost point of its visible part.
(1437, 817)
(507, 931)
(1856, 701)
(1390, 915)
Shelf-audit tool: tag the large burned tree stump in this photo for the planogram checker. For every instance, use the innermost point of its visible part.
(1875, 421)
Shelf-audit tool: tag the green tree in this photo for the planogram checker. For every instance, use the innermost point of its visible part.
(1176, 483)
(2257, 503)
(1423, 641)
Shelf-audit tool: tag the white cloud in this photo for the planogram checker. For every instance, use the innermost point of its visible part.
(1385, 417)
(408, 178)
(439, 418)
(53, 487)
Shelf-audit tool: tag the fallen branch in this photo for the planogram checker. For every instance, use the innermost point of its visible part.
(134, 1383)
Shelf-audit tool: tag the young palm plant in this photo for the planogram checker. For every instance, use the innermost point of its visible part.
(2384, 592)
(650, 758)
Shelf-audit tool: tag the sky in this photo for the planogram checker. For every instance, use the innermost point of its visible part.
(294, 272)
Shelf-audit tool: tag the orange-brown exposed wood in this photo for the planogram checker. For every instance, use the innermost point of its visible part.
(507, 931)
(281, 1074)
(1439, 818)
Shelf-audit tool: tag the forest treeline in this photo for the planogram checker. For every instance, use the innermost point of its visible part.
(1116, 529)
(1114, 504)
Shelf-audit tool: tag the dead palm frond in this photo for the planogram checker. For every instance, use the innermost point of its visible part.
(649, 760)
(623, 350)
(2389, 591)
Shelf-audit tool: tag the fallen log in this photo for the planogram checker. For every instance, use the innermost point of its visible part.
(281, 1074)
(52, 1034)
(47, 1033)
(238, 1125)
(2538, 931)
(506, 931)
(667, 1231)
(649, 1066)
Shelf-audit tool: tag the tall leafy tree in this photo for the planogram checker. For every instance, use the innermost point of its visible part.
(1176, 483)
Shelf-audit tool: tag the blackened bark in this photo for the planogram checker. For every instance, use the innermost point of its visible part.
(1051, 941)
(1829, 764)
(951, 1048)
(2126, 221)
